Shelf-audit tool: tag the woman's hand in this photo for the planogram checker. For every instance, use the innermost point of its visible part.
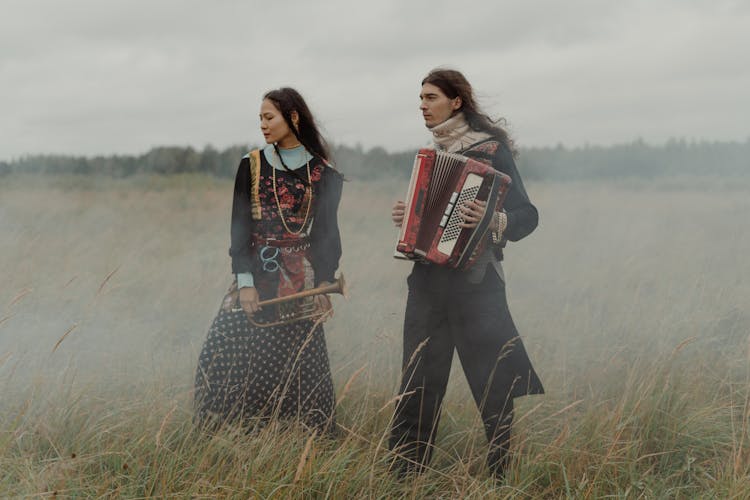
(323, 301)
(397, 213)
(249, 300)
(472, 212)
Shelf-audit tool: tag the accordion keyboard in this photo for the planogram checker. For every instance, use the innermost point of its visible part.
(452, 229)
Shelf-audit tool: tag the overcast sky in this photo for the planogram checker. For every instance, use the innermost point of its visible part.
(102, 77)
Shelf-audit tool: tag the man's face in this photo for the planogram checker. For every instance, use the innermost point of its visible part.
(436, 107)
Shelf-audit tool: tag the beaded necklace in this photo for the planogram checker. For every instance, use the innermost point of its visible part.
(278, 204)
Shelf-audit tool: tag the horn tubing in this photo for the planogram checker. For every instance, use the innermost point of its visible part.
(335, 287)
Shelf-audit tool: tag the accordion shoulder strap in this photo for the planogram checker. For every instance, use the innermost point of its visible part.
(483, 150)
(254, 170)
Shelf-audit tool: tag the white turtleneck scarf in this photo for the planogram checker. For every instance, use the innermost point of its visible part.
(454, 134)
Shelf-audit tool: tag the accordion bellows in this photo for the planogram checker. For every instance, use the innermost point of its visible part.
(441, 183)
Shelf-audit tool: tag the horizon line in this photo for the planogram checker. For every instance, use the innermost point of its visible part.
(559, 145)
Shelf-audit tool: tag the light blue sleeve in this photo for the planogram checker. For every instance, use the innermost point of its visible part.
(245, 280)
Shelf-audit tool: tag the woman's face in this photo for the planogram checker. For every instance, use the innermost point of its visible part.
(435, 105)
(274, 127)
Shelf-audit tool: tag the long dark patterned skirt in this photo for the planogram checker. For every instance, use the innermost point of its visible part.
(252, 374)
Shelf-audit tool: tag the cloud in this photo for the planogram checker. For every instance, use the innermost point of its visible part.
(88, 77)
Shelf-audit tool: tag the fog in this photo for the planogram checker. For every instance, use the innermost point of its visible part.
(631, 299)
(118, 284)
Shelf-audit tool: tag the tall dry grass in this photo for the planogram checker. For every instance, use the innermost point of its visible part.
(632, 301)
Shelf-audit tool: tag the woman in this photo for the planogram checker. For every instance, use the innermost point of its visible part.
(284, 238)
(465, 310)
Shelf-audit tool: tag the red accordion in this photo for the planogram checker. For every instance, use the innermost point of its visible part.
(440, 184)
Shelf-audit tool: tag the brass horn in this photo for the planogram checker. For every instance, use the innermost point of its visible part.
(300, 306)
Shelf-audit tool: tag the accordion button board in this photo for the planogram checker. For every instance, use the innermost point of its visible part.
(452, 228)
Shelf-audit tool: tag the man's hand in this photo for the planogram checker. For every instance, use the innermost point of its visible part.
(397, 213)
(471, 213)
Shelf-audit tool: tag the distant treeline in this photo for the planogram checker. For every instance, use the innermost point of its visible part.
(635, 159)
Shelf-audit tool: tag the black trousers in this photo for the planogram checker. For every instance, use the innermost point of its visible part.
(445, 312)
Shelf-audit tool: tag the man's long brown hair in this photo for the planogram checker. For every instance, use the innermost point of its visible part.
(454, 84)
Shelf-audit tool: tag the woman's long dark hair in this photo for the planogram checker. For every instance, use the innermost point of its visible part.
(454, 84)
(287, 100)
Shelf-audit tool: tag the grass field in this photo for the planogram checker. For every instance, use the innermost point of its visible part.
(632, 301)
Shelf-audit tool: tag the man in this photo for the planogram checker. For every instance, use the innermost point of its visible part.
(465, 310)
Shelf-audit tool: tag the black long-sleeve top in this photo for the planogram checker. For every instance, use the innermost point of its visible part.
(523, 216)
(324, 237)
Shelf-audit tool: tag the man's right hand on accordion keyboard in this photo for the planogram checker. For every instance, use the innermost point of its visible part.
(397, 213)
(472, 212)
